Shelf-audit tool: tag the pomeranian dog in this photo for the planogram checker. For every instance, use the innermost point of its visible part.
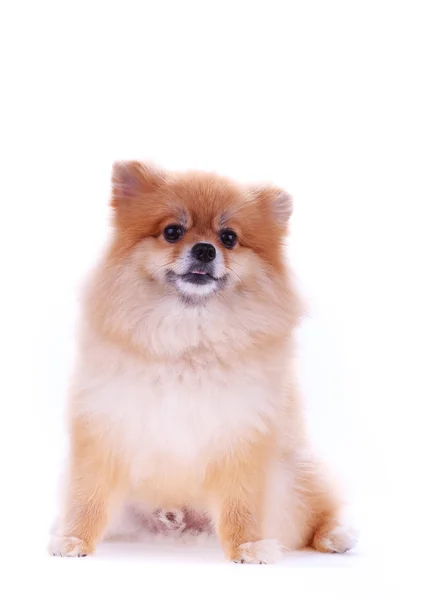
(184, 400)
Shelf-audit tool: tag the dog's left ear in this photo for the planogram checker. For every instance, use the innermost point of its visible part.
(276, 202)
(132, 181)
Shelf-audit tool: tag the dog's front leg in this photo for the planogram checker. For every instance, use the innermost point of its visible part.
(238, 484)
(92, 488)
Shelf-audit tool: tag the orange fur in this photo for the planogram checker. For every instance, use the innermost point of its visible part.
(235, 485)
(190, 400)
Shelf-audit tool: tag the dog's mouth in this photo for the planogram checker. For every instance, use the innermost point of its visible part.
(198, 277)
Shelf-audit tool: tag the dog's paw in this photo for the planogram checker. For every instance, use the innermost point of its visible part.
(262, 552)
(335, 538)
(68, 546)
(172, 520)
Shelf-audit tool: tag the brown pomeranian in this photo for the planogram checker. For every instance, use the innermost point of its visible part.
(184, 401)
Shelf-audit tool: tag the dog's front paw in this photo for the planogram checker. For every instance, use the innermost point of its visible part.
(335, 538)
(262, 552)
(68, 546)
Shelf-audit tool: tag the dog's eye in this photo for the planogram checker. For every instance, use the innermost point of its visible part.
(172, 233)
(228, 238)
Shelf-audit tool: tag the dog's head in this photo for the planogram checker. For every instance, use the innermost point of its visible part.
(195, 234)
(196, 262)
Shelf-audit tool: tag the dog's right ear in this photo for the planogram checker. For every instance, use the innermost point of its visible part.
(132, 180)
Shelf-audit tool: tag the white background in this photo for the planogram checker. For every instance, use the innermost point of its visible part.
(328, 99)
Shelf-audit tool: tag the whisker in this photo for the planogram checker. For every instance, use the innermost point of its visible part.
(235, 262)
(165, 265)
(159, 267)
(236, 274)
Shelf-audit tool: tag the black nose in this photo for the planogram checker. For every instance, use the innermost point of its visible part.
(203, 252)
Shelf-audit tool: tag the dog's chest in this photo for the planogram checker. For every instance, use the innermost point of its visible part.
(181, 412)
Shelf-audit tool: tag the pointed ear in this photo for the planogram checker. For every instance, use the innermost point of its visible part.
(131, 180)
(275, 202)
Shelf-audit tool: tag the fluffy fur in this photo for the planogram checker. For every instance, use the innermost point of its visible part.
(184, 399)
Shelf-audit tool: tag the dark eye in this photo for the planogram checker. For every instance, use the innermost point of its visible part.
(172, 233)
(228, 238)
